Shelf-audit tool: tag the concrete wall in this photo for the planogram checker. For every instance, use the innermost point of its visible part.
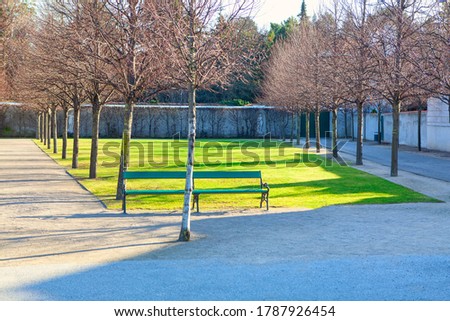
(408, 128)
(348, 123)
(213, 122)
(370, 125)
(167, 121)
(438, 124)
(17, 122)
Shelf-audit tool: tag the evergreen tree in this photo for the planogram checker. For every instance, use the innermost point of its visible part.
(303, 15)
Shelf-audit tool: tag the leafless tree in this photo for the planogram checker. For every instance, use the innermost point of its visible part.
(281, 86)
(203, 36)
(48, 75)
(333, 60)
(15, 24)
(359, 64)
(136, 61)
(432, 55)
(396, 38)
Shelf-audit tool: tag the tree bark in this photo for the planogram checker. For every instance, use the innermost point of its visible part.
(185, 233)
(49, 129)
(44, 127)
(96, 110)
(448, 103)
(292, 126)
(317, 122)
(353, 124)
(335, 132)
(126, 141)
(76, 132)
(359, 134)
(346, 122)
(54, 131)
(307, 129)
(38, 126)
(419, 129)
(299, 124)
(379, 125)
(41, 129)
(65, 129)
(395, 138)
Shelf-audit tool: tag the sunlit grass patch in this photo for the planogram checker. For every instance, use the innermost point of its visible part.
(296, 179)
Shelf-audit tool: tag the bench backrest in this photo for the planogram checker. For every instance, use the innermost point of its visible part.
(154, 175)
(228, 174)
(198, 175)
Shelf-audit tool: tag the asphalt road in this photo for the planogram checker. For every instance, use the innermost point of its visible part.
(429, 164)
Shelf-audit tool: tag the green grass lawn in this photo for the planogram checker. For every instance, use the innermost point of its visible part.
(295, 179)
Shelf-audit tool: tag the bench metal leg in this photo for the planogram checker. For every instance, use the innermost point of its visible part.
(195, 202)
(264, 198)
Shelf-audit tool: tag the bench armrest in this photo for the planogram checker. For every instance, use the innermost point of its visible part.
(266, 186)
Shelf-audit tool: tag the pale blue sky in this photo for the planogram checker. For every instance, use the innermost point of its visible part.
(280, 10)
(276, 10)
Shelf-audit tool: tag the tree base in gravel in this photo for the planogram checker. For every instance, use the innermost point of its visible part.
(185, 236)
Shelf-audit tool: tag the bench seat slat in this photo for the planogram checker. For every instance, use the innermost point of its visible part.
(228, 191)
(229, 174)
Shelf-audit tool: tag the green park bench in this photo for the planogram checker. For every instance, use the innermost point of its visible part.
(261, 188)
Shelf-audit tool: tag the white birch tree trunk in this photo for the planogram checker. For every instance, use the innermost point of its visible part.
(185, 233)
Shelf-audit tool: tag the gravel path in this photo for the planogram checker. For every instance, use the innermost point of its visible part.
(66, 246)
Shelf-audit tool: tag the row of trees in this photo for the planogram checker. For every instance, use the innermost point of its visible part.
(95, 51)
(13, 30)
(360, 52)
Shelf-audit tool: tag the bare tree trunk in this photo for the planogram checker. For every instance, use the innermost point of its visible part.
(45, 127)
(346, 122)
(317, 122)
(54, 131)
(379, 125)
(299, 124)
(64, 135)
(41, 129)
(395, 138)
(307, 128)
(419, 128)
(49, 129)
(185, 233)
(76, 132)
(292, 126)
(359, 139)
(448, 103)
(335, 132)
(353, 124)
(126, 141)
(96, 110)
(38, 126)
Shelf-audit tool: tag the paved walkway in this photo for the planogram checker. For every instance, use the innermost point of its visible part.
(66, 246)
